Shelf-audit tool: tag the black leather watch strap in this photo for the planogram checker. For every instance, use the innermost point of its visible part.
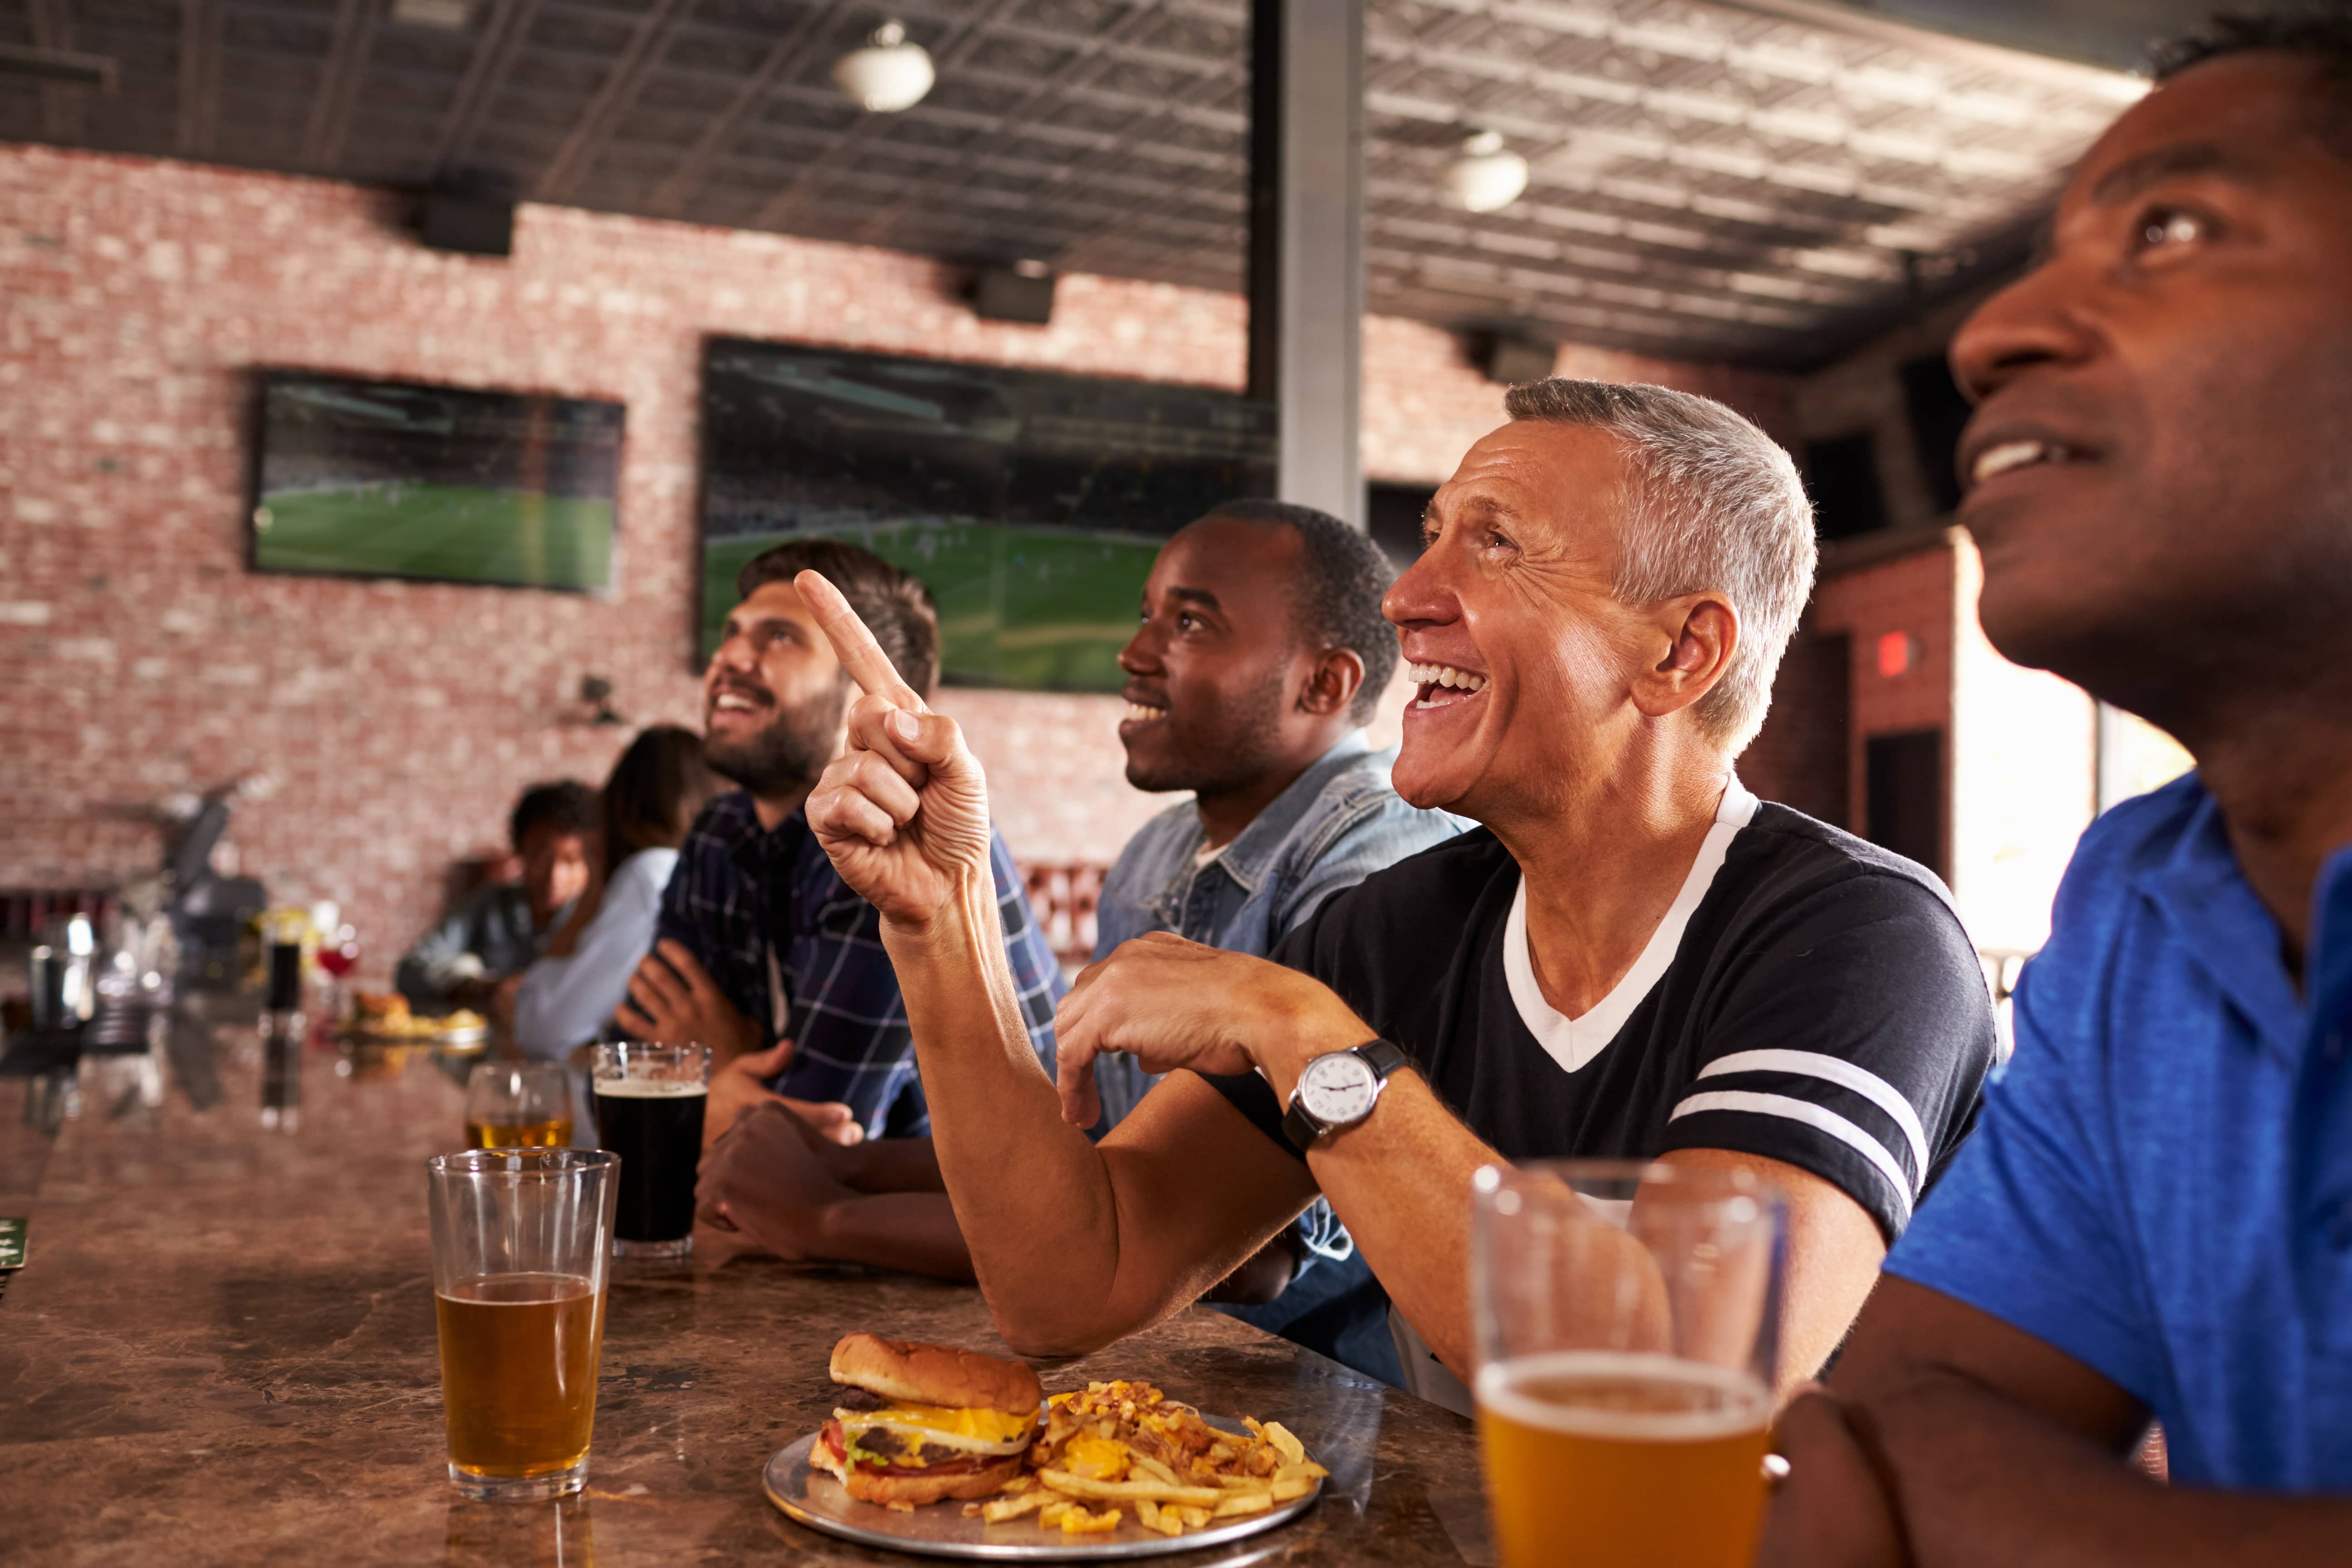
(1383, 1056)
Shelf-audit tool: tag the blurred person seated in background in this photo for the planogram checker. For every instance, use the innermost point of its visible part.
(480, 948)
(650, 798)
(761, 954)
(1633, 957)
(2155, 1218)
(1261, 655)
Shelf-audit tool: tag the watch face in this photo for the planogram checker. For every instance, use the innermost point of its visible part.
(1338, 1088)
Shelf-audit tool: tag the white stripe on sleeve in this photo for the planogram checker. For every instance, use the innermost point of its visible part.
(1842, 1073)
(1812, 1115)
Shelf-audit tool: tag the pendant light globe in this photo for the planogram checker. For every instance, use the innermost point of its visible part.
(889, 74)
(1486, 177)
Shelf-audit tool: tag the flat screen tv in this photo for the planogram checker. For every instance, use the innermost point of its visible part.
(1031, 502)
(392, 478)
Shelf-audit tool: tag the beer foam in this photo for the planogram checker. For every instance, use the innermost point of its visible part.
(649, 1087)
(1728, 1401)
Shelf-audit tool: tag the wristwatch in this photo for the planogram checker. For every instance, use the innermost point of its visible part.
(1339, 1089)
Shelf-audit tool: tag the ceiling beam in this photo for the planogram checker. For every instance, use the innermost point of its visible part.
(52, 28)
(678, 188)
(962, 39)
(1096, 55)
(639, 58)
(331, 105)
(199, 104)
(504, 28)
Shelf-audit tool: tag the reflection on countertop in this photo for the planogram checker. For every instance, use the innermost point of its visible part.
(222, 1350)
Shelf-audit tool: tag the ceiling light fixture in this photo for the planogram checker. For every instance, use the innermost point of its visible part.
(889, 74)
(1485, 178)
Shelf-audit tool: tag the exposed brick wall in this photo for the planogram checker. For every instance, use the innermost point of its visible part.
(1425, 402)
(399, 719)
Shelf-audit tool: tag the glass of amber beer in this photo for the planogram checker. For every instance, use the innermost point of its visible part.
(1626, 1319)
(649, 1104)
(518, 1105)
(519, 1239)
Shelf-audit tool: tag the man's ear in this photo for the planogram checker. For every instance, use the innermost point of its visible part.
(1332, 684)
(1699, 633)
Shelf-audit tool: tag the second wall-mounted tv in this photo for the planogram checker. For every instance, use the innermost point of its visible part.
(1032, 502)
(395, 478)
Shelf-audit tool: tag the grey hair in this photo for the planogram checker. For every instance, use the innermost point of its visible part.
(1716, 504)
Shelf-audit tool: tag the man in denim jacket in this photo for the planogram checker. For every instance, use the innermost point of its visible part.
(1261, 653)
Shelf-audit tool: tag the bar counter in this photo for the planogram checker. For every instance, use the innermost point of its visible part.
(221, 1351)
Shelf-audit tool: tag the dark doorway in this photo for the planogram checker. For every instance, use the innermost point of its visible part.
(1903, 784)
(1393, 512)
(1939, 412)
(1843, 474)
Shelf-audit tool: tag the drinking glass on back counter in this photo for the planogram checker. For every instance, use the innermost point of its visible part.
(1626, 1319)
(649, 1105)
(518, 1105)
(520, 1239)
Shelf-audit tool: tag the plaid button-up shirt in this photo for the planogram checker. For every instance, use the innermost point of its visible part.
(741, 897)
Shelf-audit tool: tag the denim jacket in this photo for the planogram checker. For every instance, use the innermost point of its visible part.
(1336, 824)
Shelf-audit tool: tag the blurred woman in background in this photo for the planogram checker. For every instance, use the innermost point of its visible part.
(650, 797)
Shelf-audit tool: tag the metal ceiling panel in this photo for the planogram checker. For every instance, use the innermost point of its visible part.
(1754, 180)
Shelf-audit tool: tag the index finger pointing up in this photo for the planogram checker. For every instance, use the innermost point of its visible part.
(854, 645)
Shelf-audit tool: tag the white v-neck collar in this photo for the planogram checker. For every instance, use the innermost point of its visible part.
(1572, 1042)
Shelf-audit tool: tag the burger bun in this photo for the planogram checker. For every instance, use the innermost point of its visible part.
(910, 1373)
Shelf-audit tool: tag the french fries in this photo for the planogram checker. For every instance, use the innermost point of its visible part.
(1128, 1443)
(1069, 1485)
(999, 1510)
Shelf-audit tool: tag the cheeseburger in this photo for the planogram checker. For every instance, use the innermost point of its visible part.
(919, 1422)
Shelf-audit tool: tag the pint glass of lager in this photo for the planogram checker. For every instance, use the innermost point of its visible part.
(518, 1105)
(519, 1239)
(649, 1102)
(1626, 1317)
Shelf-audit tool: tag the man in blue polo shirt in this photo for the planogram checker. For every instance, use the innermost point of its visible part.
(2155, 1218)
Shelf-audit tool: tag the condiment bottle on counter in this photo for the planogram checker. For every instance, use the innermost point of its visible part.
(281, 1036)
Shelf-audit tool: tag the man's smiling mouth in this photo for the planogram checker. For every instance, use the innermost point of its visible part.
(2011, 455)
(1444, 686)
(727, 704)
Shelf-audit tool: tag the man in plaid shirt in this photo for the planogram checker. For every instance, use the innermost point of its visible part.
(761, 951)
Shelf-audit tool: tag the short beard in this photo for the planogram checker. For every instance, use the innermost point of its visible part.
(1235, 757)
(788, 755)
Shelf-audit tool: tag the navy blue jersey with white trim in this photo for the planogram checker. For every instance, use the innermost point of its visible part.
(1811, 999)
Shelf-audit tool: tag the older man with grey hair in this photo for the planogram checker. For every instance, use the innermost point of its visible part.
(1633, 957)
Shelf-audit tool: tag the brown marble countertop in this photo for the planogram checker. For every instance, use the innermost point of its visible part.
(221, 1352)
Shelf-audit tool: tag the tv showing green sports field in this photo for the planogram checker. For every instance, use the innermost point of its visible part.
(1031, 502)
(383, 478)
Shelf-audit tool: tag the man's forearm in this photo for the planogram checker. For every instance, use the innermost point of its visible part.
(1981, 1480)
(1400, 1182)
(1033, 1196)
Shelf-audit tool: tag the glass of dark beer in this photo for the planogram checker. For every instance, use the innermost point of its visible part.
(649, 1104)
(519, 1239)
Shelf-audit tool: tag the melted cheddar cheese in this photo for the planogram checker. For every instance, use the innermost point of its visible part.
(987, 1426)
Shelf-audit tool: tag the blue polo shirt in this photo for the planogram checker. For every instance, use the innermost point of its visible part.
(2161, 1186)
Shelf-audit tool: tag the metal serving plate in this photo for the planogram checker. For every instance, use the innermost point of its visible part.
(816, 1500)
